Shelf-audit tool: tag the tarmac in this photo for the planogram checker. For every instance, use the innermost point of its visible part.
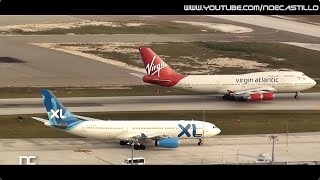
(218, 150)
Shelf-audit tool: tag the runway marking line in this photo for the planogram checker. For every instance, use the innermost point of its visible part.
(82, 150)
(87, 152)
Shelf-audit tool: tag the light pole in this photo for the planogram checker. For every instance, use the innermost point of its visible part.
(132, 145)
(273, 138)
(238, 121)
(203, 120)
(287, 136)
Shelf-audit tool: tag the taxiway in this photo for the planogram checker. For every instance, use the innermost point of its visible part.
(284, 101)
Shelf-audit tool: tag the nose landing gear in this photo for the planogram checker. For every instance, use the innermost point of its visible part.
(296, 96)
(200, 142)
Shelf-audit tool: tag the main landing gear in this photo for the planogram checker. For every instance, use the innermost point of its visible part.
(136, 146)
(200, 142)
(296, 96)
(233, 98)
(229, 97)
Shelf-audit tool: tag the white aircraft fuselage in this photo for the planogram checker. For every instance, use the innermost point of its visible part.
(165, 133)
(122, 130)
(254, 86)
(277, 81)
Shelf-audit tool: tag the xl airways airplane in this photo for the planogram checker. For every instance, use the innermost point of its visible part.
(255, 86)
(164, 133)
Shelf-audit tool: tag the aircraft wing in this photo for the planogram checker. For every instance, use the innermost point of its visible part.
(255, 90)
(161, 80)
(87, 118)
(250, 91)
(142, 136)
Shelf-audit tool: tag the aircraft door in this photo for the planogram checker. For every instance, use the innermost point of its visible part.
(206, 129)
(125, 128)
(297, 83)
(84, 128)
(216, 86)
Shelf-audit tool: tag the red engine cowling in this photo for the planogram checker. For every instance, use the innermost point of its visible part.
(268, 96)
(256, 97)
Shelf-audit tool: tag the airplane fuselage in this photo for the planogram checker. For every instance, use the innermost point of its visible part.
(122, 129)
(278, 81)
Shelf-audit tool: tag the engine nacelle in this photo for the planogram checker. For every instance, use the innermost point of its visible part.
(268, 96)
(256, 97)
(168, 143)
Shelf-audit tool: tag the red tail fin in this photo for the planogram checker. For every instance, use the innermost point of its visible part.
(158, 71)
(154, 65)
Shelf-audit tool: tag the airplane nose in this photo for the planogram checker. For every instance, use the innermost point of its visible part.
(218, 131)
(313, 82)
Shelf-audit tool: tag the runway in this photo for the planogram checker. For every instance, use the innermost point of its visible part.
(217, 150)
(285, 101)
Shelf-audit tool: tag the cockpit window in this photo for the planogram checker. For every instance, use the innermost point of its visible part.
(214, 127)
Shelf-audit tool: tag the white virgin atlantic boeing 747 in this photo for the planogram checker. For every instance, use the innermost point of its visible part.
(255, 86)
(165, 134)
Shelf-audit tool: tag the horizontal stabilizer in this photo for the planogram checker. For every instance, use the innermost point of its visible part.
(137, 75)
(161, 80)
(40, 119)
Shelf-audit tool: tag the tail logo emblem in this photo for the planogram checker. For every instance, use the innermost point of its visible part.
(153, 69)
(57, 114)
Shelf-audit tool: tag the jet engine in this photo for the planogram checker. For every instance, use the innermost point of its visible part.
(168, 143)
(268, 96)
(255, 97)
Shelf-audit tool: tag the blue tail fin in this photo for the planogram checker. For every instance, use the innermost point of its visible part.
(58, 115)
